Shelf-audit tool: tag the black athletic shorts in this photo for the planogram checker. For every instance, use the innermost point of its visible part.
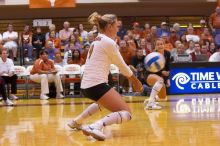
(96, 92)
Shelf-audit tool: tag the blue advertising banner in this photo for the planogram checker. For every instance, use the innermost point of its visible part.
(194, 80)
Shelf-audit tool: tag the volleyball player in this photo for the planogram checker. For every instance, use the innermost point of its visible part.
(103, 52)
(159, 80)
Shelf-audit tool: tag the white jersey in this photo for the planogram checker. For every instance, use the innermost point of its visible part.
(102, 53)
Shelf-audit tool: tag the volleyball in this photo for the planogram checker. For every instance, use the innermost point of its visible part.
(154, 62)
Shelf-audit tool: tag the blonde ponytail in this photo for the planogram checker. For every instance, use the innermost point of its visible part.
(101, 21)
(94, 18)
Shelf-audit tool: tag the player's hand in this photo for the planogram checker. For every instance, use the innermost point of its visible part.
(137, 85)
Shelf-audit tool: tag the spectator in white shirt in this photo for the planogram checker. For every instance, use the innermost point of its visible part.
(7, 72)
(10, 38)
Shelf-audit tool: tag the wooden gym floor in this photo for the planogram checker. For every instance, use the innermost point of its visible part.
(35, 122)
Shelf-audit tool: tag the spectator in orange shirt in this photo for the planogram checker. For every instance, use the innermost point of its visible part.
(126, 51)
(136, 31)
(214, 21)
(44, 72)
(200, 30)
(206, 36)
(52, 38)
(154, 33)
(147, 30)
(168, 46)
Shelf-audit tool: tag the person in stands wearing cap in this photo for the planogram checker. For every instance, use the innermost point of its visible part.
(200, 30)
(164, 29)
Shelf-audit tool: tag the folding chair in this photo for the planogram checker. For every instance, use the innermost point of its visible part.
(21, 72)
(74, 73)
(29, 81)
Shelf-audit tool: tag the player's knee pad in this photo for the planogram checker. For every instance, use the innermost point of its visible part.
(97, 106)
(124, 116)
(158, 85)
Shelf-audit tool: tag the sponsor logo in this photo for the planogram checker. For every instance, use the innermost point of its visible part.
(181, 79)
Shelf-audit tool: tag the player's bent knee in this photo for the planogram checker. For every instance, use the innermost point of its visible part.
(125, 116)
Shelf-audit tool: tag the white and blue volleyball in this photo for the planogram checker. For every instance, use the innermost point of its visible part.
(154, 62)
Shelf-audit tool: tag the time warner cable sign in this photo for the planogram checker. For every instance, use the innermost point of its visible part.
(194, 80)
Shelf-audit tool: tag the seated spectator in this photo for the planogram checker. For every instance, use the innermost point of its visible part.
(206, 36)
(174, 50)
(200, 30)
(52, 27)
(58, 60)
(52, 38)
(173, 37)
(7, 73)
(181, 55)
(149, 43)
(191, 48)
(136, 31)
(197, 51)
(212, 48)
(76, 58)
(122, 30)
(50, 50)
(65, 33)
(75, 41)
(154, 35)
(82, 32)
(44, 72)
(91, 37)
(137, 66)
(85, 51)
(26, 42)
(178, 30)
(143, 46)
(129, 40)
(205, 50)
(3, 92)
(68, 54)
(168, 46)
(38, 41)
(10, 39)
(147, 30)
(164, 29)
(127, 53)
(184, 41)
(190, 36)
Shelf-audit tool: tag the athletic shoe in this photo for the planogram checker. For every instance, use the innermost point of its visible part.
(44, 97)
(95, 133)
(8, 102)
(147, 100)
(152, 106)
(72, 124)
(59, 95)
(12, 96)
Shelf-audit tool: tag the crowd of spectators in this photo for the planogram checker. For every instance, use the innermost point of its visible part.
(70, 45)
